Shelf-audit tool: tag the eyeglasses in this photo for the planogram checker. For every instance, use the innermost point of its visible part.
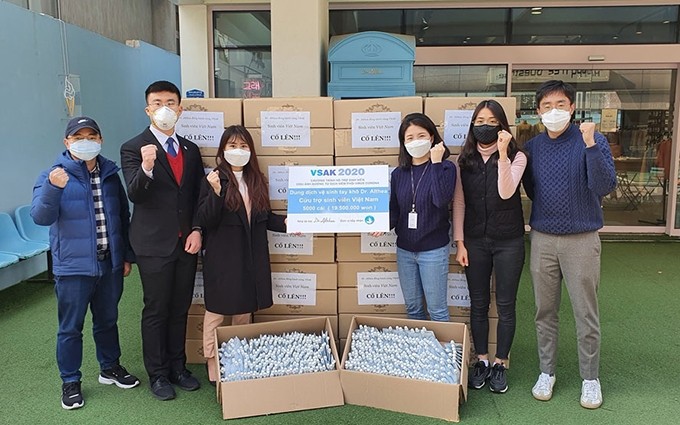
(157, 104)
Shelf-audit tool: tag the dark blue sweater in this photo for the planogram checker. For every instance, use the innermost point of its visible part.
(566, 182)
(433, 199)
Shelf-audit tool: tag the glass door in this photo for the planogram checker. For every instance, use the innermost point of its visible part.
(633, 108)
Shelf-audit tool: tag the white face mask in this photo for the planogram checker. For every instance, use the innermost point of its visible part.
(556, 120)
(418, 148)
(164, 118)
(85, 149)
(237, 157)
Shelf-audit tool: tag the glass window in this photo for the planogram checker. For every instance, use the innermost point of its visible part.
(242, 54)
(535, 25)
(632, 108)
(430, 27)
(595, 25)
(460, 81)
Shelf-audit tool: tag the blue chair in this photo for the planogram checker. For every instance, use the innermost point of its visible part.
(7, 259)
(27, 227)
(12, 243)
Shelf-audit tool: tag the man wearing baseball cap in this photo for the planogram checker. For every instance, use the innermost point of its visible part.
(83, 201)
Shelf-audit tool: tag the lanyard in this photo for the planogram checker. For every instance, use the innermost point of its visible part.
(414, 190)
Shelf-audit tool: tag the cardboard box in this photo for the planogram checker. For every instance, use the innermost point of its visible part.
(345, 321)
(326, 304)
(197, 309)
(424, 398)
(435, 107)
(321, 143)
(261, 318)
(281, 181)
(253, 397)
(347, 272)
(320, 109)
(195, 325)
(323, 251)
(390, 160)
(343, 109)
(326, 274)
(343, 146)
(194, 351)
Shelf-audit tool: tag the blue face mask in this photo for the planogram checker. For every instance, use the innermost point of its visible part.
(85, 149)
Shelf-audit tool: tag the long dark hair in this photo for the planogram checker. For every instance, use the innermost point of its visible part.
(421, 120)
(253, 177)
(469, 150)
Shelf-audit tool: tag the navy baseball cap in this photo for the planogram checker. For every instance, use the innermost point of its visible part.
(78, 123)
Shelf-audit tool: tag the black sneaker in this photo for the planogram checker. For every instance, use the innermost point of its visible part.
(185, 380)
(119, 376)
(71, 397)
(161, 388)
(497, 381)
(480, 373)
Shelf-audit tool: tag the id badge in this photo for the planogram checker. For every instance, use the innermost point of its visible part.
(413, 220)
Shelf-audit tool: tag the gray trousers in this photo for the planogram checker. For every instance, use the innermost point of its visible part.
(576, 258)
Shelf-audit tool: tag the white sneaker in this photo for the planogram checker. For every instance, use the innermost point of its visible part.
(544, 387)
(591, 394)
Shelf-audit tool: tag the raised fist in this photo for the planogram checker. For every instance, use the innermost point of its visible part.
(58, 177)
(148, 156)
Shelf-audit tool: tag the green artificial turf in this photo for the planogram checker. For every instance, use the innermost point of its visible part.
(639, 296)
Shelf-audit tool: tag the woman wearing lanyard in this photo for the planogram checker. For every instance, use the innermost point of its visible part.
(421, 193)
(489, 233)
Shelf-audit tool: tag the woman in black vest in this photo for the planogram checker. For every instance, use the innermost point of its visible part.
(489, 234)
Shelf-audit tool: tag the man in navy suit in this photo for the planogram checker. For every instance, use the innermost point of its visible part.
(163, 173)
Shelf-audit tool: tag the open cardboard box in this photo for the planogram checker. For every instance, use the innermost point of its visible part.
(424, 398)
(253, 397)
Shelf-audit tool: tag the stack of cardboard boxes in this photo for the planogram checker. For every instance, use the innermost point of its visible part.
(290, 132)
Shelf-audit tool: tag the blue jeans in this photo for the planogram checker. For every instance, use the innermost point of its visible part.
(74, 295)
(424, 274)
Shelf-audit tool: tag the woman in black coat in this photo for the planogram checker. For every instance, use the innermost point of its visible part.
(235, 213)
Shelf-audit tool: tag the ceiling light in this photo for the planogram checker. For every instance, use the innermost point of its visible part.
(536, 12)
(536, 8)
(666, 22)
(638, 28)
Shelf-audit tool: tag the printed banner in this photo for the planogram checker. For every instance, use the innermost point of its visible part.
(338, 199)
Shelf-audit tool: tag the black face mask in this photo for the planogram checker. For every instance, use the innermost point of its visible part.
(486, 133)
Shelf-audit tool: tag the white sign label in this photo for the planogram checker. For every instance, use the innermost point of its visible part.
(456, 126)
(379, 288)
(285, 128)
(203, 128)
(338, 199)
(385, 244)
(278, 182)
(294, 288)
(290, 243)
(458, 294)
(375, 129)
